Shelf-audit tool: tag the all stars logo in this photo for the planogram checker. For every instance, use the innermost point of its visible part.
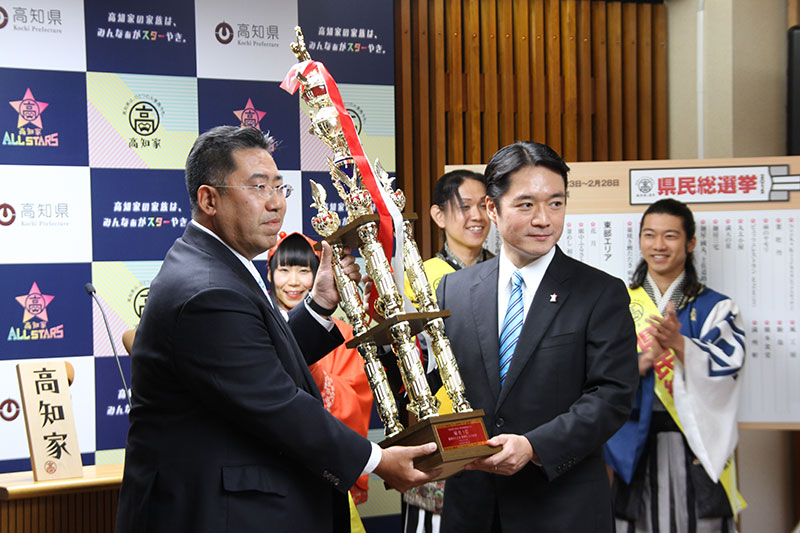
(29, 123)
(34, 318)
(250, 117)
(30, 110)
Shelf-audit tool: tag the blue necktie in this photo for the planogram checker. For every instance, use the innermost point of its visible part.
(512, 325)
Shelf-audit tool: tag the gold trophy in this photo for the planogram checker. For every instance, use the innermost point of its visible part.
(461, 436)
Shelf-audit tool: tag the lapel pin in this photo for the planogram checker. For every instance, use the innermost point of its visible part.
(553, 298)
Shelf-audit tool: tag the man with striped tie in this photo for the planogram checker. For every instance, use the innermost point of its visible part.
(547, 348)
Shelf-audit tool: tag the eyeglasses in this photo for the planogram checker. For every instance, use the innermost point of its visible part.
(263, 190)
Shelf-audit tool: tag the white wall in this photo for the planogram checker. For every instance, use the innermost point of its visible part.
(744, 78)
(765, 480)
(744, 112)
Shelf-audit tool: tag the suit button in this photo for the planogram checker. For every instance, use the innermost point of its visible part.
(499, 422)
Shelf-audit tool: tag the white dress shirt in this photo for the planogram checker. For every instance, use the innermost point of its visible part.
(532, 275)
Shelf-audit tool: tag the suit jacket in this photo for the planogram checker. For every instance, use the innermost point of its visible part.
(228, 431)
(570, 386)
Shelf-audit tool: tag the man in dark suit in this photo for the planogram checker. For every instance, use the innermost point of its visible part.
(547, 348)
(228, 431)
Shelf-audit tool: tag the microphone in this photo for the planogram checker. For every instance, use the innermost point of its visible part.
(93, 293)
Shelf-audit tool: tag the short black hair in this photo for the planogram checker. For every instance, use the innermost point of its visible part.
(210, 161)
(514, 157)
(445, 192)
(294, 250)
(670, 206)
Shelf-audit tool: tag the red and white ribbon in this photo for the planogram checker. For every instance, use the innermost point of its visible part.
(389, 213)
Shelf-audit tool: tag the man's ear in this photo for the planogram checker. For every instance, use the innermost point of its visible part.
(437, 215)
(207, 200)
(691, 244)
(491, 209)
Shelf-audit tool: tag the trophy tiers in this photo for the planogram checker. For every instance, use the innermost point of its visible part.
(461, 436)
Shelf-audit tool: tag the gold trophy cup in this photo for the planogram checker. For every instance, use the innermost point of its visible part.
(461, 436)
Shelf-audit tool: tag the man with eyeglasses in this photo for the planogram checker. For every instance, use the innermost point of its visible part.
(228, 431)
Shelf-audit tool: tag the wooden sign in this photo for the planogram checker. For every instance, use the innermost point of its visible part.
(47, 406)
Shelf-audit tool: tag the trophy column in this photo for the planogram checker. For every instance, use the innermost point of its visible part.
(461, 436)
(390, 305)
(440, 345)
(418, 281)
(326, 223)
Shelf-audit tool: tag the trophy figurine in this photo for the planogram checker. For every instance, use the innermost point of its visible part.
(460, 436)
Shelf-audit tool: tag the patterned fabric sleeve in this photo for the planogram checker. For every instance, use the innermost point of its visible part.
(707, 386)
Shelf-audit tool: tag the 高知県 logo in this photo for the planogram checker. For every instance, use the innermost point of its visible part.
(223, 32)
(7, 214)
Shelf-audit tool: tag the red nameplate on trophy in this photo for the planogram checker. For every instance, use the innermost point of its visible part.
(460, 439)
(461, 434)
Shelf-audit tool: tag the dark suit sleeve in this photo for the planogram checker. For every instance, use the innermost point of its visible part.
(610, 384)
(314, 339)
(237, 363)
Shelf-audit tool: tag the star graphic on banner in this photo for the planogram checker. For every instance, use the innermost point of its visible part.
(35, 303)
(250, 116)
(30, 110)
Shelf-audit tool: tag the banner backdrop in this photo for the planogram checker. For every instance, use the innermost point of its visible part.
(100, 102)
(747, 217)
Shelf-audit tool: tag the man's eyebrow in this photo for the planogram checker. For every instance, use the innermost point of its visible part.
(663, 231)
(532, 197)
(260, 176)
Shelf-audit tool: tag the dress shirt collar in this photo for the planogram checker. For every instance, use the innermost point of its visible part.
(532, 274)
(248, 264)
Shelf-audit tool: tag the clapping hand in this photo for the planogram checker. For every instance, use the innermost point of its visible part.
(666, 331)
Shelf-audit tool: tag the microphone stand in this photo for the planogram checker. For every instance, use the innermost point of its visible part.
(90, 289)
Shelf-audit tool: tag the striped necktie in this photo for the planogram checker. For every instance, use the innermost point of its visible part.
(512, 325)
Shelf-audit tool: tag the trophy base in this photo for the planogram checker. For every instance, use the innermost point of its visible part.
(460, 439)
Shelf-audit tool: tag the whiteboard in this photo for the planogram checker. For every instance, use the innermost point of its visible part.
(747, 214)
